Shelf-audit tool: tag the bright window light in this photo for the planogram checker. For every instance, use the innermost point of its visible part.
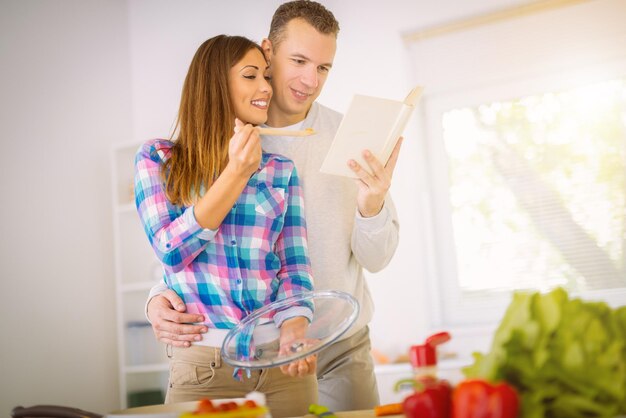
(538, 190)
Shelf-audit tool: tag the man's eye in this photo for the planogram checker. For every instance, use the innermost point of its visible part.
(324, 69)
(298, 61)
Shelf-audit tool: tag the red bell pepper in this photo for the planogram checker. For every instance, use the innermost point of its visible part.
(475, 398)
(432, 401)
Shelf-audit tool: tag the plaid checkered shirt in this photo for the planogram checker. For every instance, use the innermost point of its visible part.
(256, 256)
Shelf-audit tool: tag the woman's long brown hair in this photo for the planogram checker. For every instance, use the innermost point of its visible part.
(206, 120)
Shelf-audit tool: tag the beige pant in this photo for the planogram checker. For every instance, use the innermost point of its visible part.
(198, 372)
(345, 374)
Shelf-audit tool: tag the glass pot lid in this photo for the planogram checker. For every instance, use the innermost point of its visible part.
(255, 342)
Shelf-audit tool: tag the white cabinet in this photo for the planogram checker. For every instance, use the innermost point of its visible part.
(387, 375)
(143, 366)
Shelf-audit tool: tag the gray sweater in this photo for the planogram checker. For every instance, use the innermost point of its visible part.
(341, 242)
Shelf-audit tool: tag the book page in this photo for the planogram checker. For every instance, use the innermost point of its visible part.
(370, 123)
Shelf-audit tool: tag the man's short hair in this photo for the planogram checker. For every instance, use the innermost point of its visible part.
(312, 12)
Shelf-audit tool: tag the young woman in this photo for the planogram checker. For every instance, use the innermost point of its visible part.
(226, 220)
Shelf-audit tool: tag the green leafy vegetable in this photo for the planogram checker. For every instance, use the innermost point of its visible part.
(566, 356)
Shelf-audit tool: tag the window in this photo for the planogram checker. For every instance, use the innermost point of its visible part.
(537, 190)
(524, 150)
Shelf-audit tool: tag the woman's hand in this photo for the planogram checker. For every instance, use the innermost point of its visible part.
(293, 333)
(244, 150)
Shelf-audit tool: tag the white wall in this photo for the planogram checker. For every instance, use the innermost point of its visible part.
(64, 84)
(79, 75)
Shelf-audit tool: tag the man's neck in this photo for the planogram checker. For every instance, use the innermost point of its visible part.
(281, 120)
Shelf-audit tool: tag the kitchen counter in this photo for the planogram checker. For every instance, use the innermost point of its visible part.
(356, 414)
(174, 410)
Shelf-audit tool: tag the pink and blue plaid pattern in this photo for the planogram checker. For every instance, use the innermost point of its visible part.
(257, 255)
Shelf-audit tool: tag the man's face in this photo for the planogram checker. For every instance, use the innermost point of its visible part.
(299, 66)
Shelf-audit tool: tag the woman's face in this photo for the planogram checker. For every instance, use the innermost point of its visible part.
(249, 86)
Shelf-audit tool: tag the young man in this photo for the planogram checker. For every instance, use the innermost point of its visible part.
(351, 224)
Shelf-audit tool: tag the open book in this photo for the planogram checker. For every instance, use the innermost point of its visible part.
(370, 123)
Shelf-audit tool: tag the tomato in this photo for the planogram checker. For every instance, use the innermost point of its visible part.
(477, 398)
(228, 406)
(204, 406)
(433, 401)
(249, 403)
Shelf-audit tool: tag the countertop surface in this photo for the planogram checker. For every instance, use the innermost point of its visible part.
(150, 413)
(356, 414)
(174, 410)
